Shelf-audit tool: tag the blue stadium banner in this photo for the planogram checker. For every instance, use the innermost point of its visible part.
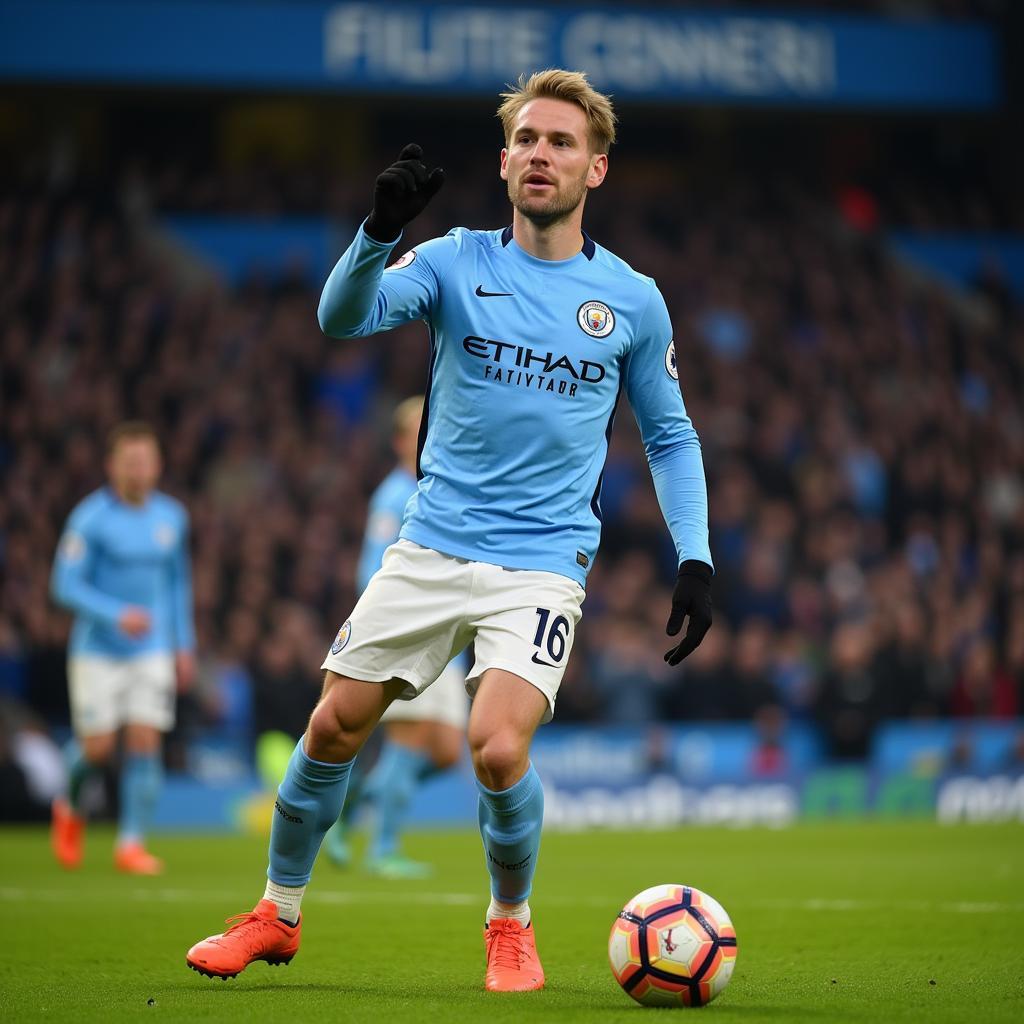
(447, 49)
(697, 773)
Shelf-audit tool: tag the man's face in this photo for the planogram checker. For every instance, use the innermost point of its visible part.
(548, 163)
(134, 467)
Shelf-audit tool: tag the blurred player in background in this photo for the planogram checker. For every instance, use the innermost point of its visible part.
(423, 736)
(122, 568)
(534, 332)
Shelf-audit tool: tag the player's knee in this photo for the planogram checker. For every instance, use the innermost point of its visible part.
(446, 752)
(331, 729)
(141, 740)
(325, 725)
(97, 750)
(499, 759)
(446, 758)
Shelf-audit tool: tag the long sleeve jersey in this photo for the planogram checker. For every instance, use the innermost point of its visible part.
(528, 358)
(112, 556)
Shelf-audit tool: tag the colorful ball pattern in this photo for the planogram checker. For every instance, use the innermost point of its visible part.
(672, 945)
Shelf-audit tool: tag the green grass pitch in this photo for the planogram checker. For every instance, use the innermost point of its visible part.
(837, 922)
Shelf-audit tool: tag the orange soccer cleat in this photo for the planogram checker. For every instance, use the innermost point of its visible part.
(67, 832)
(134, 859)
(512, 961)
(257, 935)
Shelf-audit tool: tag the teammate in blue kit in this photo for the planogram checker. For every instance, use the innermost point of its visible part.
(423, 736)
(123, 568)
(535, 331)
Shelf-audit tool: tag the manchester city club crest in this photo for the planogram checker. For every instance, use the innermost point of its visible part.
(72, 547)
(164, 535)
(596, 319)
(670, 361)
(403, 261)
(340, 641)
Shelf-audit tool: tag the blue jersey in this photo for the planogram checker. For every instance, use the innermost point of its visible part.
(112, 556)
(384, 522)
(528, 358)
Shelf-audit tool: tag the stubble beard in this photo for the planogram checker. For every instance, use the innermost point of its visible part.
(554, 209)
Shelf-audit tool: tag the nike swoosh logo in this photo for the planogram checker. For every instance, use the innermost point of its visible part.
(489, 295)
(539, 661)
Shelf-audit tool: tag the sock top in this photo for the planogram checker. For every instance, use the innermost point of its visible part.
(320, 771)
(508, 801)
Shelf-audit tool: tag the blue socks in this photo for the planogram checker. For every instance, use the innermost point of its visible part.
(510, 822)
(389, 789)
(141, 777)
(308, 803)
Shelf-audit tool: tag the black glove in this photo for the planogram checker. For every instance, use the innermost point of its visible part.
(692, 597)
(401, 193)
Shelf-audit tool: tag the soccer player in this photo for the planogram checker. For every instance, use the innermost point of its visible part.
(123, 568)
(422, 736)
(534, 332)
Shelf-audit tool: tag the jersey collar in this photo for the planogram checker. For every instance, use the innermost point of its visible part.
(588, 250)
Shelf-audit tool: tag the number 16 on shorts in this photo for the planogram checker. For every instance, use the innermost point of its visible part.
(551, 639)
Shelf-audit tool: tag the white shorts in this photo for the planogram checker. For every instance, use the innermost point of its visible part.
(107, 693)
(422, 608)
(444, 701)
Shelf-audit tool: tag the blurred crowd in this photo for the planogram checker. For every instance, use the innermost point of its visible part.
(863, 439)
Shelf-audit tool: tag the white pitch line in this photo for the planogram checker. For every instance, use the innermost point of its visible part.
(957, 907)
(452, 899)
(94, 894)
(465, 899)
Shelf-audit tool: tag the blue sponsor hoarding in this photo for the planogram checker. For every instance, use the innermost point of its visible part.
(699, 774)
(238, 247)
(454, 48)
(651, 801)
(965, 258)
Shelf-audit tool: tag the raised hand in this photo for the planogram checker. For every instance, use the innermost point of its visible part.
(401, 193)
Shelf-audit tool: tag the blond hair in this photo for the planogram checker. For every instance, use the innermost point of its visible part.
(131, 430)
(407, 414)
(571, 86)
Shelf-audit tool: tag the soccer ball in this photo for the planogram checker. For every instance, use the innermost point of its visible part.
(672, 945)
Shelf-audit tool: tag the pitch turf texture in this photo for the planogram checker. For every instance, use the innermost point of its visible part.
(870, 922)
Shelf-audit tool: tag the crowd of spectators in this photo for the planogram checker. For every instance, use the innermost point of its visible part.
(864, 445)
